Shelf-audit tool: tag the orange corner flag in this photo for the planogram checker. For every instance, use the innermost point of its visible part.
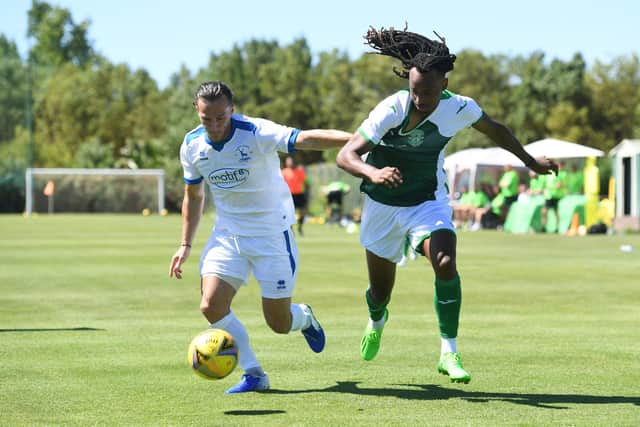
(49, 189)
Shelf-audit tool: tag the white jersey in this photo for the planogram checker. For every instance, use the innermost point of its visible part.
(243, 174)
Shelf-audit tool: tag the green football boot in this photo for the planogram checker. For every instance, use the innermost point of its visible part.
(370, 343)
(450, 364)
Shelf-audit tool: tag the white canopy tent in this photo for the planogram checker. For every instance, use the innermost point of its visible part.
(463, 166)
(558, 149)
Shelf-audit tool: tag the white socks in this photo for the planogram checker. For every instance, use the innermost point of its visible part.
(300, 317)
(248, 361)
(377, 324)
(448, 345)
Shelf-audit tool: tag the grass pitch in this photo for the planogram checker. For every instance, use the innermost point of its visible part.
(92, 331)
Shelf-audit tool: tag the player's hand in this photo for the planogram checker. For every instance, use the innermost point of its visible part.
(175, 268)
(544, 166)
(387, 176)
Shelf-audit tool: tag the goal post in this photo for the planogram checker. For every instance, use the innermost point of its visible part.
(94, 190)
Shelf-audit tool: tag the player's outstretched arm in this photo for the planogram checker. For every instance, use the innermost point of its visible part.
(192, 207)
(503, 137)
(321, 139)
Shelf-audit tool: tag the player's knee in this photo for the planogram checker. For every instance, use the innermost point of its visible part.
(211, 311)
(444, 264)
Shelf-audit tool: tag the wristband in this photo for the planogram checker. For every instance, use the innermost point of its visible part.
(186, 244)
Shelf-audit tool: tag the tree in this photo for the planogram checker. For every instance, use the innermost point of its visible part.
(615, 99)
(12, 90)
(110, 103)
(485, 79)
(58, 39)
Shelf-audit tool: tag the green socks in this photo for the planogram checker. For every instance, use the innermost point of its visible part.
(376, 309)
(447, 300)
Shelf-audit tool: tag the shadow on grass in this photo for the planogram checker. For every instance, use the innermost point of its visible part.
(436, 392)
(82, 328)
(256, 412)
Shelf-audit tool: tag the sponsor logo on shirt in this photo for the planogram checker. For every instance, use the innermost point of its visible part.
(228, 177)
(462, 107)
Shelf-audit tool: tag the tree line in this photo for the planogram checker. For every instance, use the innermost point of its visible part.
(66, 105)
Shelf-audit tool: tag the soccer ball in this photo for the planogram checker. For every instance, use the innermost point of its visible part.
(213, 354)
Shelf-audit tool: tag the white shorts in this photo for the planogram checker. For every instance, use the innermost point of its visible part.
(391, 231)
(273, 260)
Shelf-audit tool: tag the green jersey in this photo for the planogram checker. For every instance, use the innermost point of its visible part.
(537, 184)
(575, 182)
(474, 198)
(509, 183)
(338, 186)
(417, 152)
(554, 188)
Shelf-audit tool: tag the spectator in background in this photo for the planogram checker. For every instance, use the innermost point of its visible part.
(554, 190)
(536, 184)
(470, 201)
(507, 194)
(508, 185)
(574, 180)
(523, 193)
(296, 178)
(334, 192)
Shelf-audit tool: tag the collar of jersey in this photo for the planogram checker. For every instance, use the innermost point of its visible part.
(219, 145)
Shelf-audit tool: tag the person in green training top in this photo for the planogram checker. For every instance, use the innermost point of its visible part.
(574, 180)
(508, 185)
(507, 194)
(406, 197)
(554, 190)
(470, 201)
(536, 184)
(334, 193)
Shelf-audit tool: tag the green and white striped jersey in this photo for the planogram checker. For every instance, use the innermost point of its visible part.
(419, 152)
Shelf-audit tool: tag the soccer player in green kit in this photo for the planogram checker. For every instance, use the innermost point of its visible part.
(406, 199)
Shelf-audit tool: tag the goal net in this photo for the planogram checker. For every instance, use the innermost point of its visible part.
(93, 190)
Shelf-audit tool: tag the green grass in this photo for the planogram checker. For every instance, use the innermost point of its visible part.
(92, 331)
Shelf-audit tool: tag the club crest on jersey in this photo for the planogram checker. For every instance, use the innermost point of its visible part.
(228, 177)
(244, 152)
(203, 155)
(415, 138)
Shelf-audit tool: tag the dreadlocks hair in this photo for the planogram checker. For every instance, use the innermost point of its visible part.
(414, 50)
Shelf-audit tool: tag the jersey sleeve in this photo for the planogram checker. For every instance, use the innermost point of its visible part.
(470, 112)
(387, 115)
(275, 137)
(191, 174)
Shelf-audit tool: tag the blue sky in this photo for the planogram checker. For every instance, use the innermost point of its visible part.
(162, 35)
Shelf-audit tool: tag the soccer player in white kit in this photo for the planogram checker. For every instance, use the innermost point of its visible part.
(406, 202)
(236, 156)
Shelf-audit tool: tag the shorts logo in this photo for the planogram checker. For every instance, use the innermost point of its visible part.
(281, 285)
(228, 177)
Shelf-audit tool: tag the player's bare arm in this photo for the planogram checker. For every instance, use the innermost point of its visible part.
(321, 139)
(349, 158)
(503, 137)
(192, 208)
